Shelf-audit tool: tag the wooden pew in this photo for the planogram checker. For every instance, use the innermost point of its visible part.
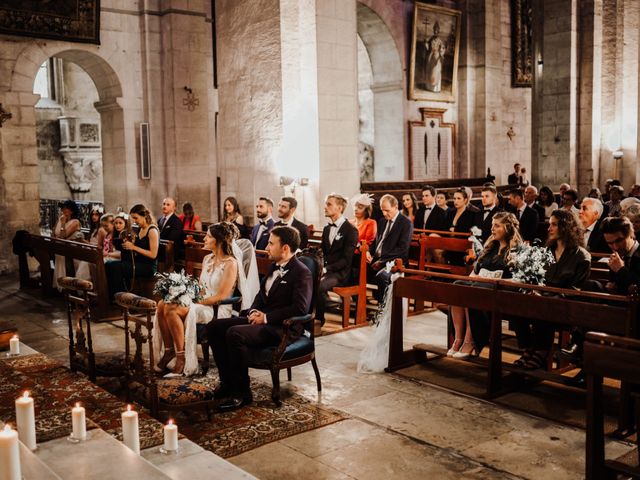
(44, 249)
(194, 253)
(360, 290)
(615, 314)
(264, 264)
(612, 357)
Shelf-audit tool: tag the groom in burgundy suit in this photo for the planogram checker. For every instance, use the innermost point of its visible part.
(285, 292)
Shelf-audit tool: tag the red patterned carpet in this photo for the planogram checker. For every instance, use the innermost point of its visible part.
(56, 389)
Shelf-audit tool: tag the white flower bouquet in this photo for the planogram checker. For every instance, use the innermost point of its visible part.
(178, 288)
(529, 264)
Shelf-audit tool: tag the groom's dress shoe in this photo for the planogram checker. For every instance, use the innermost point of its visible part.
(221, 391)
(235, 402)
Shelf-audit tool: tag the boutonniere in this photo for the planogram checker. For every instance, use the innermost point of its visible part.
(282, 273)
(338, 236)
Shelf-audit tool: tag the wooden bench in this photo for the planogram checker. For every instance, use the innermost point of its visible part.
(615, 314)
(44, 249)
(194, 253)
(345, 293)
(618, 358)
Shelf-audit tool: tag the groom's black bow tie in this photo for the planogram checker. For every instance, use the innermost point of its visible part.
(262, 222)
(428, 209)
(333, 225)
(488, 209)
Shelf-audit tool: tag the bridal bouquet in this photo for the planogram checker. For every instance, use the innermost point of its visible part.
(178, 288)
(529, 263)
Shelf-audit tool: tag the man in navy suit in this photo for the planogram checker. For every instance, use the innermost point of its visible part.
(392, 241)
(526, 215)
(286, 211)
(339, 240)
(285, 292)
(170, 225)
(490, 207)
(261, 230)
(429, 215)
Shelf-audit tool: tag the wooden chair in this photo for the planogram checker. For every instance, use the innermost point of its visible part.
(612, 357)
(359, 290)
(78, 294)
(288, 355)
(143, 383)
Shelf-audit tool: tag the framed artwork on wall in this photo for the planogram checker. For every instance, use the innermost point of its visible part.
(434, 53)
(432, 146)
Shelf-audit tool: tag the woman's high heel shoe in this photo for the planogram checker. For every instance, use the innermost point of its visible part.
(164, 361)
(178, 369)
(452, 351)
(460, 355)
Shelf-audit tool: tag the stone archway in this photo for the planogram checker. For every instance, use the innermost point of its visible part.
(388, 96)
(19, 171)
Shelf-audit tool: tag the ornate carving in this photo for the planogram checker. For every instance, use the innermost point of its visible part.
(89, 133)
(191, 102)
(522, 43)
(4, 115)
(80, 171)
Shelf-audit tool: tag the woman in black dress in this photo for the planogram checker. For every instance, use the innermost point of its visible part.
(139, 253)
(459, 220)
(472, 326)
(571, 269)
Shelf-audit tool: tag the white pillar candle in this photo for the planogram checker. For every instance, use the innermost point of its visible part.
(14, 345)
(78, 423)
(170, 436)
(9, 455)
(130, 435)
(26, 421)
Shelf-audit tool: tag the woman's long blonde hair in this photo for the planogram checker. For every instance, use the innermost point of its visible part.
(512, 235)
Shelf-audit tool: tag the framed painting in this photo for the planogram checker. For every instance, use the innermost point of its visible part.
(434, 53)
(522, 43)
(69, 20)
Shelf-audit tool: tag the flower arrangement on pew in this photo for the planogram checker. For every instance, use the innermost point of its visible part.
(178, 288)
(529, 263)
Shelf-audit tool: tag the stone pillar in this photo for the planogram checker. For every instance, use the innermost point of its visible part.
(555, 99)
(338, 96)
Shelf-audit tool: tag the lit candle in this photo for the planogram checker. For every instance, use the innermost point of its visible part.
(170, 436)
(26, 421)
(130, 435)
(78, 423)
(9, 455)
(14, 345)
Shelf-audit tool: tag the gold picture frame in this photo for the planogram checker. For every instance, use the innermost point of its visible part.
(435, 45)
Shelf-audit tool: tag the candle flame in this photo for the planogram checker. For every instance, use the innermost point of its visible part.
(7, 427)
(128, 408)
(26, 394)
(77, 404)
(15, 337)
(170, 422)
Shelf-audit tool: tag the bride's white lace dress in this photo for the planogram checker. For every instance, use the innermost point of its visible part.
(210, 278)
(375, 356)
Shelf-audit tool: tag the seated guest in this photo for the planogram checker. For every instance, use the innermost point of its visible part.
(530, 196)
(170, 225)
(546, 201)
(633, 214)
(570, 270)
(190, 221)
(590, 216)
(367, 227)
(139, 255)
(261, 230)
(121, 228)
(624, 263)
(429, 216)
(595, 193)
(232, 214)
(177, 324)
(109, 251)
(527, 216)
(514, 178)
(616, 194)
(285, 292)
(286, 211)
(569, 200)
(392, 241)
(67, 228)
(524, 180)
(94, 224)
(607, 185)
(339, 240)
(470, 206)
(484, 219)
(472, 327)
(560, 197)
(625, 203)
(460, 219)
(635, 191)
(441, 201)
(409, 206)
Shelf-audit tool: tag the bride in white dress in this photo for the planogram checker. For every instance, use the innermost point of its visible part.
(177, 324)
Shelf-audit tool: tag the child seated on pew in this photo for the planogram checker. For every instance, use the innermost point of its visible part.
(109, 252)
(472, 326)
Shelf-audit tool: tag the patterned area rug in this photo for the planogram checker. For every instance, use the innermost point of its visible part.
(56, 389)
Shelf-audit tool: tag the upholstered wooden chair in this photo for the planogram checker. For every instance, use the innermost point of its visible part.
(79, 294)
(158, 393)
(299, 352)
